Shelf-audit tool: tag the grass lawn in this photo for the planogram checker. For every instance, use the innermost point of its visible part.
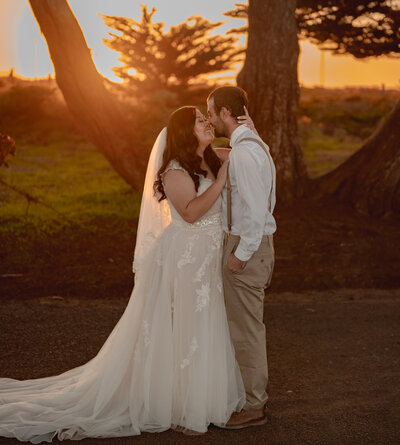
(325, 152)
(86, 249)
(74, 179)
(91, 200)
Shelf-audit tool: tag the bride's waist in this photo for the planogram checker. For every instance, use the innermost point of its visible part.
(202, 223)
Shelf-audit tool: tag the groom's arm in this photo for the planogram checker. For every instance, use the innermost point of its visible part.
(252, 194)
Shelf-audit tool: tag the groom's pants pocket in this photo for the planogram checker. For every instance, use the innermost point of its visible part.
(258, 269)
(230, 244)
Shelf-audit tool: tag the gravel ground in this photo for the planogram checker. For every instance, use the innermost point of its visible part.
(334, 363)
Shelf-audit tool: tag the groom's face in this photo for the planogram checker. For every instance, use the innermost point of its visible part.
(215, 120)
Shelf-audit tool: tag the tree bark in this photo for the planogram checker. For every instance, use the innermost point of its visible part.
(370, 179)
(269, 76)
(95, 111)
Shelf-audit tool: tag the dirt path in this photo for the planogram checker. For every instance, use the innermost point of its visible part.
(334, 362)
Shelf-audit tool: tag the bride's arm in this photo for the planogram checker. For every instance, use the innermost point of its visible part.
(222, 153)
(180, 189)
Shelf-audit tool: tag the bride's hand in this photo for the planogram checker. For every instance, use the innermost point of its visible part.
(222, 173)
(247, 121)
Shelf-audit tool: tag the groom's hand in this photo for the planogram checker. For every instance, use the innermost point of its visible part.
(234, 264)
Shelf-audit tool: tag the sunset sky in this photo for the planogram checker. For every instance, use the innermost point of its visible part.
(18, 31)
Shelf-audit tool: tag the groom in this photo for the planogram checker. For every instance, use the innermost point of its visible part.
(247, 206)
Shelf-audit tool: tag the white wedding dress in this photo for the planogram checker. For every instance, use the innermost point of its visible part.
(169, 361)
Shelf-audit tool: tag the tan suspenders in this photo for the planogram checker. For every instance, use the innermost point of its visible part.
(229, 201)
(229, 188)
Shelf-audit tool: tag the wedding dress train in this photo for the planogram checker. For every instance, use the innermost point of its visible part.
(168, 362)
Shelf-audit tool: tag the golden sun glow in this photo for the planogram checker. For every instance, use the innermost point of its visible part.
(24, 48)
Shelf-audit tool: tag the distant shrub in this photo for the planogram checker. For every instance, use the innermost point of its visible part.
(353, 98)
(355, 112)
(35, 113)
(21, 104)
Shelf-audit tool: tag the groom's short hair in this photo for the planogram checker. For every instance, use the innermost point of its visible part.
(232, 98)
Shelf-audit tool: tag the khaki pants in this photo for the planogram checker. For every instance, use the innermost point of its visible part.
(244, 301)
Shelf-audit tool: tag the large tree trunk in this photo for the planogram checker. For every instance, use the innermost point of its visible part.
(269, 76)
(370, 179)
(93, 108)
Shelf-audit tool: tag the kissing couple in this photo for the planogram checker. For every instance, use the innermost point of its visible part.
(190, 347)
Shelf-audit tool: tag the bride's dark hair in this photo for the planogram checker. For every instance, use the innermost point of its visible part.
(181, 145)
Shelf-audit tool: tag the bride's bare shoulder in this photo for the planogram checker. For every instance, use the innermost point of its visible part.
(222, 153)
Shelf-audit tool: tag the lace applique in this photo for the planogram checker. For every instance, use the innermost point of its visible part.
(200, 273)
(212, 246)
(146, 333)
(219, 286)
(203, 297)
(209, 222)
(187, 257)
(192, 349)
(217, 239)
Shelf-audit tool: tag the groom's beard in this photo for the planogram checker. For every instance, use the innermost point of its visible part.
(220, 131)
(219, 134)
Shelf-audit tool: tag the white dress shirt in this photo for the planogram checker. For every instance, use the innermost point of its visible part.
(252, 175)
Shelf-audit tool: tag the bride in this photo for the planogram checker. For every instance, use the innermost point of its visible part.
(169, 362)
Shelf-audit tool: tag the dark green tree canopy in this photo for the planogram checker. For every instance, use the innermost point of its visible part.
(362, 29)
(153, 59)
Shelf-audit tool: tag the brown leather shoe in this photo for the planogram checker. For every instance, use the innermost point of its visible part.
(246, 418)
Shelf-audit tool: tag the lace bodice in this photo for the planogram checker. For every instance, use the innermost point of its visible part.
(213, 215)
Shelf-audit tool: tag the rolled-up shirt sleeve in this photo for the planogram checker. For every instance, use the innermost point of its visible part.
(252, 193)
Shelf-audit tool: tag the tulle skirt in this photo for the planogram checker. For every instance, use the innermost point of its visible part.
(169, 361)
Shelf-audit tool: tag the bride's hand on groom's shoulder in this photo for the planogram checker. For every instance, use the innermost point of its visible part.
(247, 121)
